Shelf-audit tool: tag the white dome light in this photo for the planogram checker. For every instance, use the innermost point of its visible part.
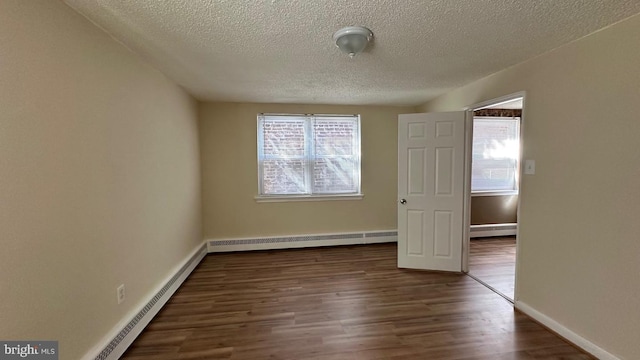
(352, 39)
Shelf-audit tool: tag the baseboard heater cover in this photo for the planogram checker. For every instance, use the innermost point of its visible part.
(117, 346)
(297, 241)
(488, 230)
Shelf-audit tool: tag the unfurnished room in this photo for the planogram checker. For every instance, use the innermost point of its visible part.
(322, 180)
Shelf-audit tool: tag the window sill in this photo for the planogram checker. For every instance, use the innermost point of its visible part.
(289, 198)
(495, 193)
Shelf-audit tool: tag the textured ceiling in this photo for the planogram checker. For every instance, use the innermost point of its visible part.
(282, 51)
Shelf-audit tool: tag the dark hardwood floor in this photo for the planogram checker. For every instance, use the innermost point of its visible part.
(493, 260)
(348, 302)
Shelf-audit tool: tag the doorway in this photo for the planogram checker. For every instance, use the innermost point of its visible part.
(435, 182)
(494, 189)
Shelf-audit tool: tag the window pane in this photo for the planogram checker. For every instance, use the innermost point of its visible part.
(335, 175)
(495, 154)
(283, 176)
(283, 138)
(334, 137)
(336, 148)
(493, 175)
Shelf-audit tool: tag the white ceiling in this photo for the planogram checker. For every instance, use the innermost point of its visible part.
(282, 51)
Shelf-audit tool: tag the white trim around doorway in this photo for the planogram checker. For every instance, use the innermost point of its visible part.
(467, 195)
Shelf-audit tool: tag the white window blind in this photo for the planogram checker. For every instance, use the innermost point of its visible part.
(496, 149)
(308, 154)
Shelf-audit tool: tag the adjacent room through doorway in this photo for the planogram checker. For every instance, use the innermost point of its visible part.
(494, 195)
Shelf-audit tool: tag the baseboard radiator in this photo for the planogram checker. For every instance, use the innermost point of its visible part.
(123, 335)
(488, 230)
(299, 241)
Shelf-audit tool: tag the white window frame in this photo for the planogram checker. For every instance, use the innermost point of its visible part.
(310, 157)
(511, 192)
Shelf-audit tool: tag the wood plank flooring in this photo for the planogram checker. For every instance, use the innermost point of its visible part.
(348, 302)
(493, 260)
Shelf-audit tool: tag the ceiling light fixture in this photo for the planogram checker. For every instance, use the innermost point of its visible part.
(352, 39)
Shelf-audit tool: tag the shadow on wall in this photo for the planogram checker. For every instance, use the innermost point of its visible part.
(499, 209)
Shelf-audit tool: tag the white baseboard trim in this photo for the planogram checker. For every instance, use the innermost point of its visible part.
(300, 241)
(112, 346)
(489, 230)
(565, 332)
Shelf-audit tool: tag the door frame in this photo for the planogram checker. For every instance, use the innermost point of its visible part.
(467, 188)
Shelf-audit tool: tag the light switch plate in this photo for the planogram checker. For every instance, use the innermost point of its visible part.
(529, 167)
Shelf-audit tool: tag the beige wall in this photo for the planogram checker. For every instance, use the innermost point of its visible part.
(99, 177)
(494, 209)
(579, 230)
(229, 175)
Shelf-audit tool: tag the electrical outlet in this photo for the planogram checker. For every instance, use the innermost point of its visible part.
(120, 292)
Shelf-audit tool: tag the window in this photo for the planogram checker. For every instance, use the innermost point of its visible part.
(496, 144)
(308, 155)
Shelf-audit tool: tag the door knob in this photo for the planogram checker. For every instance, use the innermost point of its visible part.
(403, 201)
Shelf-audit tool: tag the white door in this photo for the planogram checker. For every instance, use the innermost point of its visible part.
(431, 156)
